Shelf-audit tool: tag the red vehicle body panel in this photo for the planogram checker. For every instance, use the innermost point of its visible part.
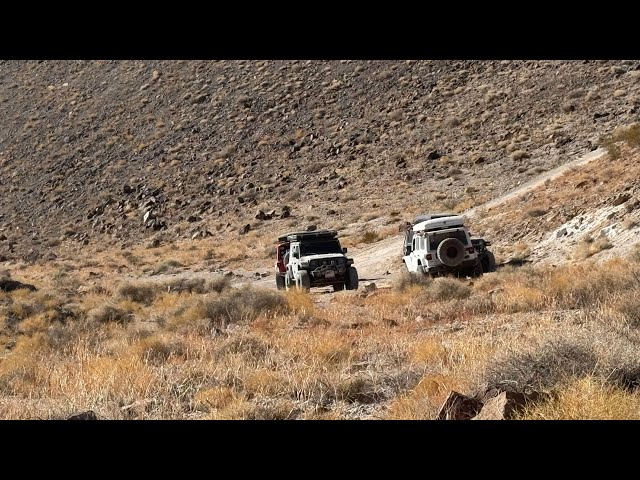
(281, 249)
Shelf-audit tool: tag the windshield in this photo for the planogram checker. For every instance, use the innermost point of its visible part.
(320, 248)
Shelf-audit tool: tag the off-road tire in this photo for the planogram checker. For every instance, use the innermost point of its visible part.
(448, 246)
(304, 281)
(352, 279)
(477, 271)
(491, 261)
(280, 282)
(337, 287)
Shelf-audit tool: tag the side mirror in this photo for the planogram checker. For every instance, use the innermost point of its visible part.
(344, 249)
(488, 244)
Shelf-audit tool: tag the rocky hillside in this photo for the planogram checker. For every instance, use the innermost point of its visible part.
(112, 152)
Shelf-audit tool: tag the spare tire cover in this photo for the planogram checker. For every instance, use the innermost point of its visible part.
(450, 252)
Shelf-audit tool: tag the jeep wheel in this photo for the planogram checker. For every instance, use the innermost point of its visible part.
(491, 262)
(280, 282)
(338, 287)
(477, 270)
(304, 282)
(352, 280)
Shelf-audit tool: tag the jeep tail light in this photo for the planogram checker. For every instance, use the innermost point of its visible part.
(470, 250)
(429, 256)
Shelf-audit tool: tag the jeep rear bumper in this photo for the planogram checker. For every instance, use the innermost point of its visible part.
(463, 267)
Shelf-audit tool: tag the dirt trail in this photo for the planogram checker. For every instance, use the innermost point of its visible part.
(381, 261)
(537, 182)
(375, 260)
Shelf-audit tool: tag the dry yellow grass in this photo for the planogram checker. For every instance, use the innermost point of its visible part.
(589, 247)
(300, 301)
(252, 354)
(429, 350)
(422, 403)
(588, 399)
(210, 399)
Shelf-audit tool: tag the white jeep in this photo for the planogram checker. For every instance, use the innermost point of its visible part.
(314, 259)
(440, 244)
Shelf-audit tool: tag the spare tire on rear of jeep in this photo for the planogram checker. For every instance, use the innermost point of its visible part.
(450, 252)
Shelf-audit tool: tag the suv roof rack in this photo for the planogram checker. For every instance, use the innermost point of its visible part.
(317, 235)
(439, 223)
(431, 216)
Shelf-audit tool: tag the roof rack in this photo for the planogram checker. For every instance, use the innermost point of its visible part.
(317, 234)
(431, 216)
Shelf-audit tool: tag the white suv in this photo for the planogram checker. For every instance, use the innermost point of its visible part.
(440, 244)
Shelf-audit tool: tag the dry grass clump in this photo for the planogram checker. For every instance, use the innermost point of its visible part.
(444, 289)
(630, 135)
(406, 280)
(211, 399)
(158, 349)
(111, 313)
(423, 401)
(595, 350)
(582, 286)
(197, 285)
(589, 247)
(233, 306)
(144, 293)
(587, 398)
(629, 306)
(167, 267)
(369, 237)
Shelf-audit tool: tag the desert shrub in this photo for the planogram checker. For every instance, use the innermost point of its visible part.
(251, 345)
(629, 307)
(407, 279)
(541, 369)
(110, 314)
(597, 351)
(140, 293)
(219, 284)
(590, 247)
(240, 306)
(166, 267)
(369, 237)
(445, 288)
(158, 349)
(586, 398)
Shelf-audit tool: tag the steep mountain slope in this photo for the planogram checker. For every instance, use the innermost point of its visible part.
(104, 152)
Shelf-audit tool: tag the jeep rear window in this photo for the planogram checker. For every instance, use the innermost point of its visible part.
(320, 248)
(436, 238)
